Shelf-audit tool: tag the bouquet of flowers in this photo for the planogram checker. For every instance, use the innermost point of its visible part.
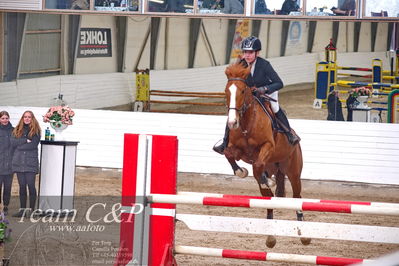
(5, 232)
(360, 91)
(61, 114)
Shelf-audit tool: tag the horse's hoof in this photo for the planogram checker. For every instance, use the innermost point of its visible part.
(271, 241)
(243, 172)
(306, 241)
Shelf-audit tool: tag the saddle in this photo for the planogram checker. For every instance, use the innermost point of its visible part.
(264, 102)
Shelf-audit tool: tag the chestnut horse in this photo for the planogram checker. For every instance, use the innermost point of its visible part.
(253, 140)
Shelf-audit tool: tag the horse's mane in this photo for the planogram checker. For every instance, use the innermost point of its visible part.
(237, 70)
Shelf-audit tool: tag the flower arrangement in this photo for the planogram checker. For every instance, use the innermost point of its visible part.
(61, 114)
(360, 91)
(5, 231)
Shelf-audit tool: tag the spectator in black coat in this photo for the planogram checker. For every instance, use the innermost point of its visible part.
(348, 8)
(6, 152)
(261, 7)
(289, 6)
(334, 107)
(25, 161)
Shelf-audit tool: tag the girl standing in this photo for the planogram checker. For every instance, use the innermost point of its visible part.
(25, 161)
(6, 173)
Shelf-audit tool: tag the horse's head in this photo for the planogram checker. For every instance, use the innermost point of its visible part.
(237, 92)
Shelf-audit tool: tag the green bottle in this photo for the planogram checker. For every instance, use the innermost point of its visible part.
(47, 134)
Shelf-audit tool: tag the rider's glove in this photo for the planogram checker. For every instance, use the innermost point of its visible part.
(258, 92)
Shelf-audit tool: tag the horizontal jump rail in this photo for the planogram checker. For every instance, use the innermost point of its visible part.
(355, 68)
(189, 92)
(354, 75)
(390, 209)
(265, 256)
(188, 112)
(207, 194)
(191, 103)
(358, 84)
(298, 229)
(187, 95)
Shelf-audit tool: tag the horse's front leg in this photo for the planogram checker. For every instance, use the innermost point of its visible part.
(261, 163)
(238, 171)
(265, 153)
(265, 191)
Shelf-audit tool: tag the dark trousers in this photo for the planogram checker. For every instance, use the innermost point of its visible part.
(27, 179)
(6, 182)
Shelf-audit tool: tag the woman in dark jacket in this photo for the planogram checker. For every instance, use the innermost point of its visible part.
(25, 161)
(6, 173)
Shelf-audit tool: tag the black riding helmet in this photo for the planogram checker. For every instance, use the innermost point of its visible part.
(251, 44)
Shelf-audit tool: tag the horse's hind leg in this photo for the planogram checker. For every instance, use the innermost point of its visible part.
(238, 171)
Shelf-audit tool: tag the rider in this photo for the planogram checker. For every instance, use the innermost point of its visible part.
(266, 81)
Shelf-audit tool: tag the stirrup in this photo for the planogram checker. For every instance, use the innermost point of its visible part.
(219, 147)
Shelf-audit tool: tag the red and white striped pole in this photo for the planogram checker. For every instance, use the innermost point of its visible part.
(265, 256)
(355, 207)
(149, 166)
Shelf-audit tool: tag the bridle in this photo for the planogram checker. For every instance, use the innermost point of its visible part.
(245, 106)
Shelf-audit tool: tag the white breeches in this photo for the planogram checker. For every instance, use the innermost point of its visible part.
(275, 106)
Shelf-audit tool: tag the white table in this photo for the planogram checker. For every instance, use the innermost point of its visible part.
(57, 176)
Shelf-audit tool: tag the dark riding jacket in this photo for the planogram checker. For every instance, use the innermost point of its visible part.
(264, 76)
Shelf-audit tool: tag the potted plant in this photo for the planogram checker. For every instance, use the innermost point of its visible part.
(361, 94)
(59, 117)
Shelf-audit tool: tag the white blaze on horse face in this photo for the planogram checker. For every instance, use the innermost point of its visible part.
(232, 118)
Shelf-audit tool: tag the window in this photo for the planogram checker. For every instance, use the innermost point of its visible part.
(331, 7)
(41, 46)
(116, 5)
(381, 8)
(68, 4)
(175, 6)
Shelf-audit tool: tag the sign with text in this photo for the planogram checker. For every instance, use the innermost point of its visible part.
(95, 42)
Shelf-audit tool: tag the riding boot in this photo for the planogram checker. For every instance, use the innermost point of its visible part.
(285, 125)
(220, 148)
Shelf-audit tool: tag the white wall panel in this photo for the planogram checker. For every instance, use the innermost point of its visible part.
(137, 28)
(365, 37)
(178, 44)
(323, 35)
(217, 34)
(273, 47)
(343, 151)
(83, 91)
(381, 38)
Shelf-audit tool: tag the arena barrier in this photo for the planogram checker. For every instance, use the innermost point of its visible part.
(172, 96)
(147, 237)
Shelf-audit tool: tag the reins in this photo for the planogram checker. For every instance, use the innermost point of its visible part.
(245, 106)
